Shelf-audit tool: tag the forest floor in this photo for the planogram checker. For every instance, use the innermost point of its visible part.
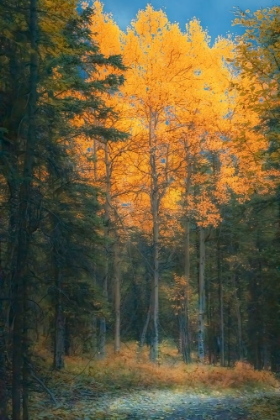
(168, 405)
(129, 387)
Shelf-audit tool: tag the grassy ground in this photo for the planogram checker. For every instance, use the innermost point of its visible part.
(86, 382)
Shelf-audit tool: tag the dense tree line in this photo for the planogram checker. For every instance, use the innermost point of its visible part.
(136, 203)
(50, 230)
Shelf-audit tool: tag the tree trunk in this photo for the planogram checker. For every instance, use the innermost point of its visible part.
(117, 297)
(239, 319)
(154, 196)
(221, 299)
(185, 330)
(184, 324)
(103, 328)
(20, 360)
(94, 342)
(201, 325)
(3, 389)
(155, 290)
(228, 335)
(102, 342)
(144, 332)
(94, 324)
(95, 160)
(25, 354)
(59, 341)
(17, 358)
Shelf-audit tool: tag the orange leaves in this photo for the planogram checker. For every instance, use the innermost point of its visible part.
(156, 60)
(165, 87)
(190, 139)
(149, 22)
(177, 293)
(105, 32)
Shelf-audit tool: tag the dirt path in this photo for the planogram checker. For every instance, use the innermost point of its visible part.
(177, 405)
(167, 405)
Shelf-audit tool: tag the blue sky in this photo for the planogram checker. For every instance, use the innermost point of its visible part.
(216, 15)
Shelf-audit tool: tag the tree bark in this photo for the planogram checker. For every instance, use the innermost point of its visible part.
(3, 378)
(59, 343)
(94, 324)
(20, 294)
(144, 332)
(117, 297)
(155, 310)
(201, 321)
(239, 318)
(25, 353)
(184, 324)
(103, 328)
(154, 196)
(94, 321)
(17, 358)
(221, 299)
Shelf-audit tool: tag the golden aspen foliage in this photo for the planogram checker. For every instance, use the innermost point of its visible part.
(180, 83)
(181, 91)
(105, 32)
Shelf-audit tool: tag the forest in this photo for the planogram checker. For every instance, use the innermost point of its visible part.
(140, 213)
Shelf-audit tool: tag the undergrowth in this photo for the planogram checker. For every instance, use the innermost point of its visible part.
(84, 380)
(128, 370)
